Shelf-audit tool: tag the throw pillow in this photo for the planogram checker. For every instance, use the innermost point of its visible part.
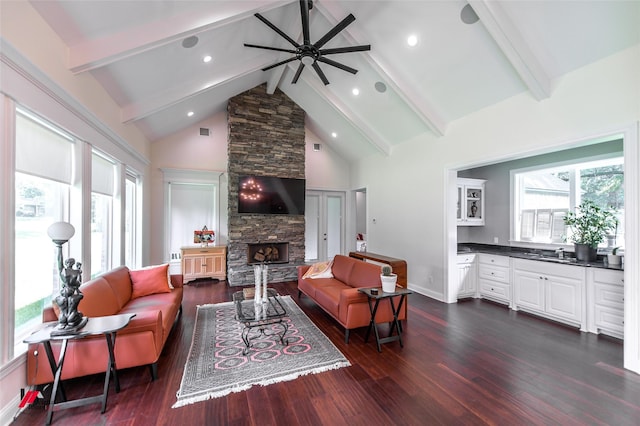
(319, 270)
(150, 280)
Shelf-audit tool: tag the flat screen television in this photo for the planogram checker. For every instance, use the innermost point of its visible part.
(270, 195)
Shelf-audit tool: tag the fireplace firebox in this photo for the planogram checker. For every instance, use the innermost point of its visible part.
(268, 253)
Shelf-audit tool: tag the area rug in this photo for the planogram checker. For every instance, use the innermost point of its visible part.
(216, 367)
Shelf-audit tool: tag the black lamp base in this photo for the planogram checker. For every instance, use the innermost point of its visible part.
(66, 329)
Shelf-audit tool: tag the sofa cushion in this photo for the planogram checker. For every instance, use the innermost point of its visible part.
(120, 281)
(364, 274)
(329, 297)
(341, 268)
(99, 299)
(151, 280)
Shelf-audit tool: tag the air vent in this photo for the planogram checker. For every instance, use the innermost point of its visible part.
(316, 147)
(204, 131)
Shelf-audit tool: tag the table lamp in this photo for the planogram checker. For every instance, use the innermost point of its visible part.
(70, 320)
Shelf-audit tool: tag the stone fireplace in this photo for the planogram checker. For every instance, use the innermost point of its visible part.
(266, 137)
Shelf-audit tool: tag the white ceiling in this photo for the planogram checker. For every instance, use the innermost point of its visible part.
(134, 49)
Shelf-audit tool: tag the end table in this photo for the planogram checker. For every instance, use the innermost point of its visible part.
(373, 308)
(108, 326)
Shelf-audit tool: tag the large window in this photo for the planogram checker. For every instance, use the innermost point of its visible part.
(102, 189)
(130, 228)
(543, 197)
(44, 163)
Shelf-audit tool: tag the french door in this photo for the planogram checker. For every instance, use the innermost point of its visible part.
(324, 225)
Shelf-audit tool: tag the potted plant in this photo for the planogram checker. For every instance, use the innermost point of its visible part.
(589, 225)
(388, 279)
(614, 258)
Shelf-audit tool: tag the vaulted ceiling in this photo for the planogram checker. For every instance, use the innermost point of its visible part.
(135, 49)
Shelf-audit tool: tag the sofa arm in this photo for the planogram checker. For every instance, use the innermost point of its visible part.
(176, 280)
(49, 315)
(146, 321)
(302, 269)
(352, 295)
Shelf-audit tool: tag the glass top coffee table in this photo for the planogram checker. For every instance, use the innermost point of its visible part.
(261, 319)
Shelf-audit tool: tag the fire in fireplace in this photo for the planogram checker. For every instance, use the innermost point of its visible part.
(268, 253)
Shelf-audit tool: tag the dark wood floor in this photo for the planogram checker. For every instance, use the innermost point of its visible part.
(469, 363)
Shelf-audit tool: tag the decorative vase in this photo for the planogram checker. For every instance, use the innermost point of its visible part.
(585, 252)
(389, 283)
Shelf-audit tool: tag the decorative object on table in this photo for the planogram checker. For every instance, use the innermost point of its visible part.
(213, 374)
(204, 236)
(388, 279)
(589, 225)
(70, 319)
(614, 258)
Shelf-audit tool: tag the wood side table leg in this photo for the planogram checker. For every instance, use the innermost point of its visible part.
(372, 324)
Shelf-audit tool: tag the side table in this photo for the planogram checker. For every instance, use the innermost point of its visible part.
(373, 308)
(108, 326)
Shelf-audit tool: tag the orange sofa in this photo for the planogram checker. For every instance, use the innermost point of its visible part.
(340, 298)
(140, 343)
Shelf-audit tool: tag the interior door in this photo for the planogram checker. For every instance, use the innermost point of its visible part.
(324, 225)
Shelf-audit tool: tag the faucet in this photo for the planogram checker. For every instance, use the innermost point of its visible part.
(560, 253)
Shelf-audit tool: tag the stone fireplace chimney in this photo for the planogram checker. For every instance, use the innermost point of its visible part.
(266, 138)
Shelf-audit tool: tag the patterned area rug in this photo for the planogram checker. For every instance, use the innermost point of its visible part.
(216, 367)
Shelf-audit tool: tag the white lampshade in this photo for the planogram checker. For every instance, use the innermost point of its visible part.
(61, 231)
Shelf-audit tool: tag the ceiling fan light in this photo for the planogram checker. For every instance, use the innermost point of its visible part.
(307, 60)
(412, 40)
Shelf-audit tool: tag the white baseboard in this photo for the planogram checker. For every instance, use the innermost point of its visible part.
(8, 411)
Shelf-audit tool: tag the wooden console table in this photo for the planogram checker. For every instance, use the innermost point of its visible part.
(204, 262)
(399, 266)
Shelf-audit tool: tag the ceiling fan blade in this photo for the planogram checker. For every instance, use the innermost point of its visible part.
(334, 31)
(304, 13)
(279, 63)
(320, 73)
(276, 29)
(298, 72)
(338, 65)
(270, 48)
(349, 49)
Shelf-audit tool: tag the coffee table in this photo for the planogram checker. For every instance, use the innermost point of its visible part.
(267, 317)
(108, 326)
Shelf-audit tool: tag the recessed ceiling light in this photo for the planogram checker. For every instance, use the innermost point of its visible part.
(412, 40)
(334, 135)
(190, 114)
(207, 59)
(380, 87)
(355, 91)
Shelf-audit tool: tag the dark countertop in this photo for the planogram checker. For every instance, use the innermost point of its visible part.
(536, 254)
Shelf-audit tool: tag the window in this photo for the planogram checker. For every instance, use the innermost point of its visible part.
(44, 163)
(544, 196)
(102, 188)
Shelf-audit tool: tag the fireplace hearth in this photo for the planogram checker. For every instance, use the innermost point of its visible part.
(267, 253)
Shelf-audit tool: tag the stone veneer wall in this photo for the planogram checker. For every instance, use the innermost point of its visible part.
(266, 138)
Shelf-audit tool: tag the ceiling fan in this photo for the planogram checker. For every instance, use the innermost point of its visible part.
(311, 53)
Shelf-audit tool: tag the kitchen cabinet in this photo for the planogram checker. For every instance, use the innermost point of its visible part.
(606, 301)
(204, 262)
(470, 208)
(467, 276)
(551, 290)
(494, 277)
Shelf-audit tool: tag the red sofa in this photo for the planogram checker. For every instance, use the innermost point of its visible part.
(340, 298)
(140, 343)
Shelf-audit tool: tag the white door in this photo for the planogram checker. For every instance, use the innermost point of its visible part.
(324, 225)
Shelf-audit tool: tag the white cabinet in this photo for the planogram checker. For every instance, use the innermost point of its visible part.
(606, 301)
(470, 207)
(494, 277)
(551, 290)
(467, 276)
